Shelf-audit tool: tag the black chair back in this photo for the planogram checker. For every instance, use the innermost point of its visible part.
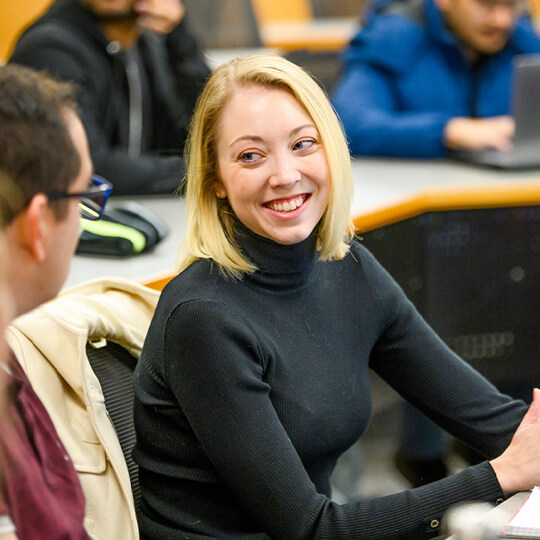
(114, 366)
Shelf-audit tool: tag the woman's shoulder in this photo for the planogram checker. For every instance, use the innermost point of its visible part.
(365, 263)
(202, 281)
(360, 255)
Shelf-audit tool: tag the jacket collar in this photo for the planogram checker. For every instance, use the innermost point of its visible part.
(73, 14)
(94, 310)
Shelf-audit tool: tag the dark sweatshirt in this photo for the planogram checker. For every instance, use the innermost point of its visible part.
(67, 42)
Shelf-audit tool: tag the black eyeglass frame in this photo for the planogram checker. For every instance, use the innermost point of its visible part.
(90, 209)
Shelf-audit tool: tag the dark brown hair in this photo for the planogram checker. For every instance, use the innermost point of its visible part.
(36, 149)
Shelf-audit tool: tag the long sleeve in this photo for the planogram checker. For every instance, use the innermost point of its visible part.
(188, 64)
(413, 359)
(389, 97)
(219, 386)
(366, 100)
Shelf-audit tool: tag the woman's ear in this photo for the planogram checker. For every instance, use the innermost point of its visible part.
(37, 228)
(220, 191)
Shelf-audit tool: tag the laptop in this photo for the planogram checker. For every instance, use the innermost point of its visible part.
(526, 112)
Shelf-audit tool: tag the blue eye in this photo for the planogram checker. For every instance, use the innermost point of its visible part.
(248, 157)
(301, 145)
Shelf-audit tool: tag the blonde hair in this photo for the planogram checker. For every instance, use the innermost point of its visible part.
(210, 223)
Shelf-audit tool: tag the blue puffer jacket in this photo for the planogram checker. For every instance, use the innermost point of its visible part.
(404, 78)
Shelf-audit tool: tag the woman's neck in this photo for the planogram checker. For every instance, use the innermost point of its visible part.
(279, 266)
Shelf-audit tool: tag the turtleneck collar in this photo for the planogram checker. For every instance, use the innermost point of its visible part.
(279, 266)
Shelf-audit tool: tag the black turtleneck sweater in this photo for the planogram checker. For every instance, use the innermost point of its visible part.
(247, 392)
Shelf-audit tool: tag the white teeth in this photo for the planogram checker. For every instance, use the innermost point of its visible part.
(287, 206)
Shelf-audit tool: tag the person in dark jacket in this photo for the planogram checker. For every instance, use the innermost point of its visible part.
(425, 76)
(138, 72)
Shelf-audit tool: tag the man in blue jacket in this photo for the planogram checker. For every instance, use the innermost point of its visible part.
(425, 76)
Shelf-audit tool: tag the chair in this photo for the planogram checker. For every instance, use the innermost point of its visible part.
(282, 10)
(534, 10)
(290, 24)
(114, 367)
(225, 24)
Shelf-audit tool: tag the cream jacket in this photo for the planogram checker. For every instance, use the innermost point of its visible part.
(50, 343)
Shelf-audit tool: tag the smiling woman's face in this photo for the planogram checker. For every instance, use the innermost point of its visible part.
(272, 166)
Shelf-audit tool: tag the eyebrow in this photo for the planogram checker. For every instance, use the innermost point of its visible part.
(257, 138)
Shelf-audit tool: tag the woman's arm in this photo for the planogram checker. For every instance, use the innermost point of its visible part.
(220, 387)
(415, 361)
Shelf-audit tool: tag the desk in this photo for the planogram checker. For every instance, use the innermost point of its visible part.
(315, 34)
(146, 265)
(382, 182)
(378, 183)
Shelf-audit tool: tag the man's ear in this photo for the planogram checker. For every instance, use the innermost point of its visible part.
(37, 227)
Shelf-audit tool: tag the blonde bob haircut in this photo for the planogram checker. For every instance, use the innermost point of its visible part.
(210, 222)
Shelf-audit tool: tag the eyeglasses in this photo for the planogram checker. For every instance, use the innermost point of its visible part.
(513, 5)
(93, 199)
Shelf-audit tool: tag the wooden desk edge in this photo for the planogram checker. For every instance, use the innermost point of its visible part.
(433, 199)
(453, 198)
(291, 35)
(159, 281)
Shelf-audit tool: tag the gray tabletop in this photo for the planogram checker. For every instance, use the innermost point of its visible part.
(378, 183)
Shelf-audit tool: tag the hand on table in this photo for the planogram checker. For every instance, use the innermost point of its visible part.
(518, 467)
(160, 16)
(479, 133)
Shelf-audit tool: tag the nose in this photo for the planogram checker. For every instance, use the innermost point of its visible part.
(285, 171)
(502, 16)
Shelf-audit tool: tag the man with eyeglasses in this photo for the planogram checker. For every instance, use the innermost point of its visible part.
(44, 151)
(138, 71)
(423, 77)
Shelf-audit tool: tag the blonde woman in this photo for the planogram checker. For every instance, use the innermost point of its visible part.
(254, 376)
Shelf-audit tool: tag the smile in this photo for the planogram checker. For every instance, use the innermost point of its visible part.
(288, 205)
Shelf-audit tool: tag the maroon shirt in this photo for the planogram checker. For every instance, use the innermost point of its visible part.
(42, 493)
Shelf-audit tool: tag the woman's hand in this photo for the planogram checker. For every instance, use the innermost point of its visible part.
(518, 467)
